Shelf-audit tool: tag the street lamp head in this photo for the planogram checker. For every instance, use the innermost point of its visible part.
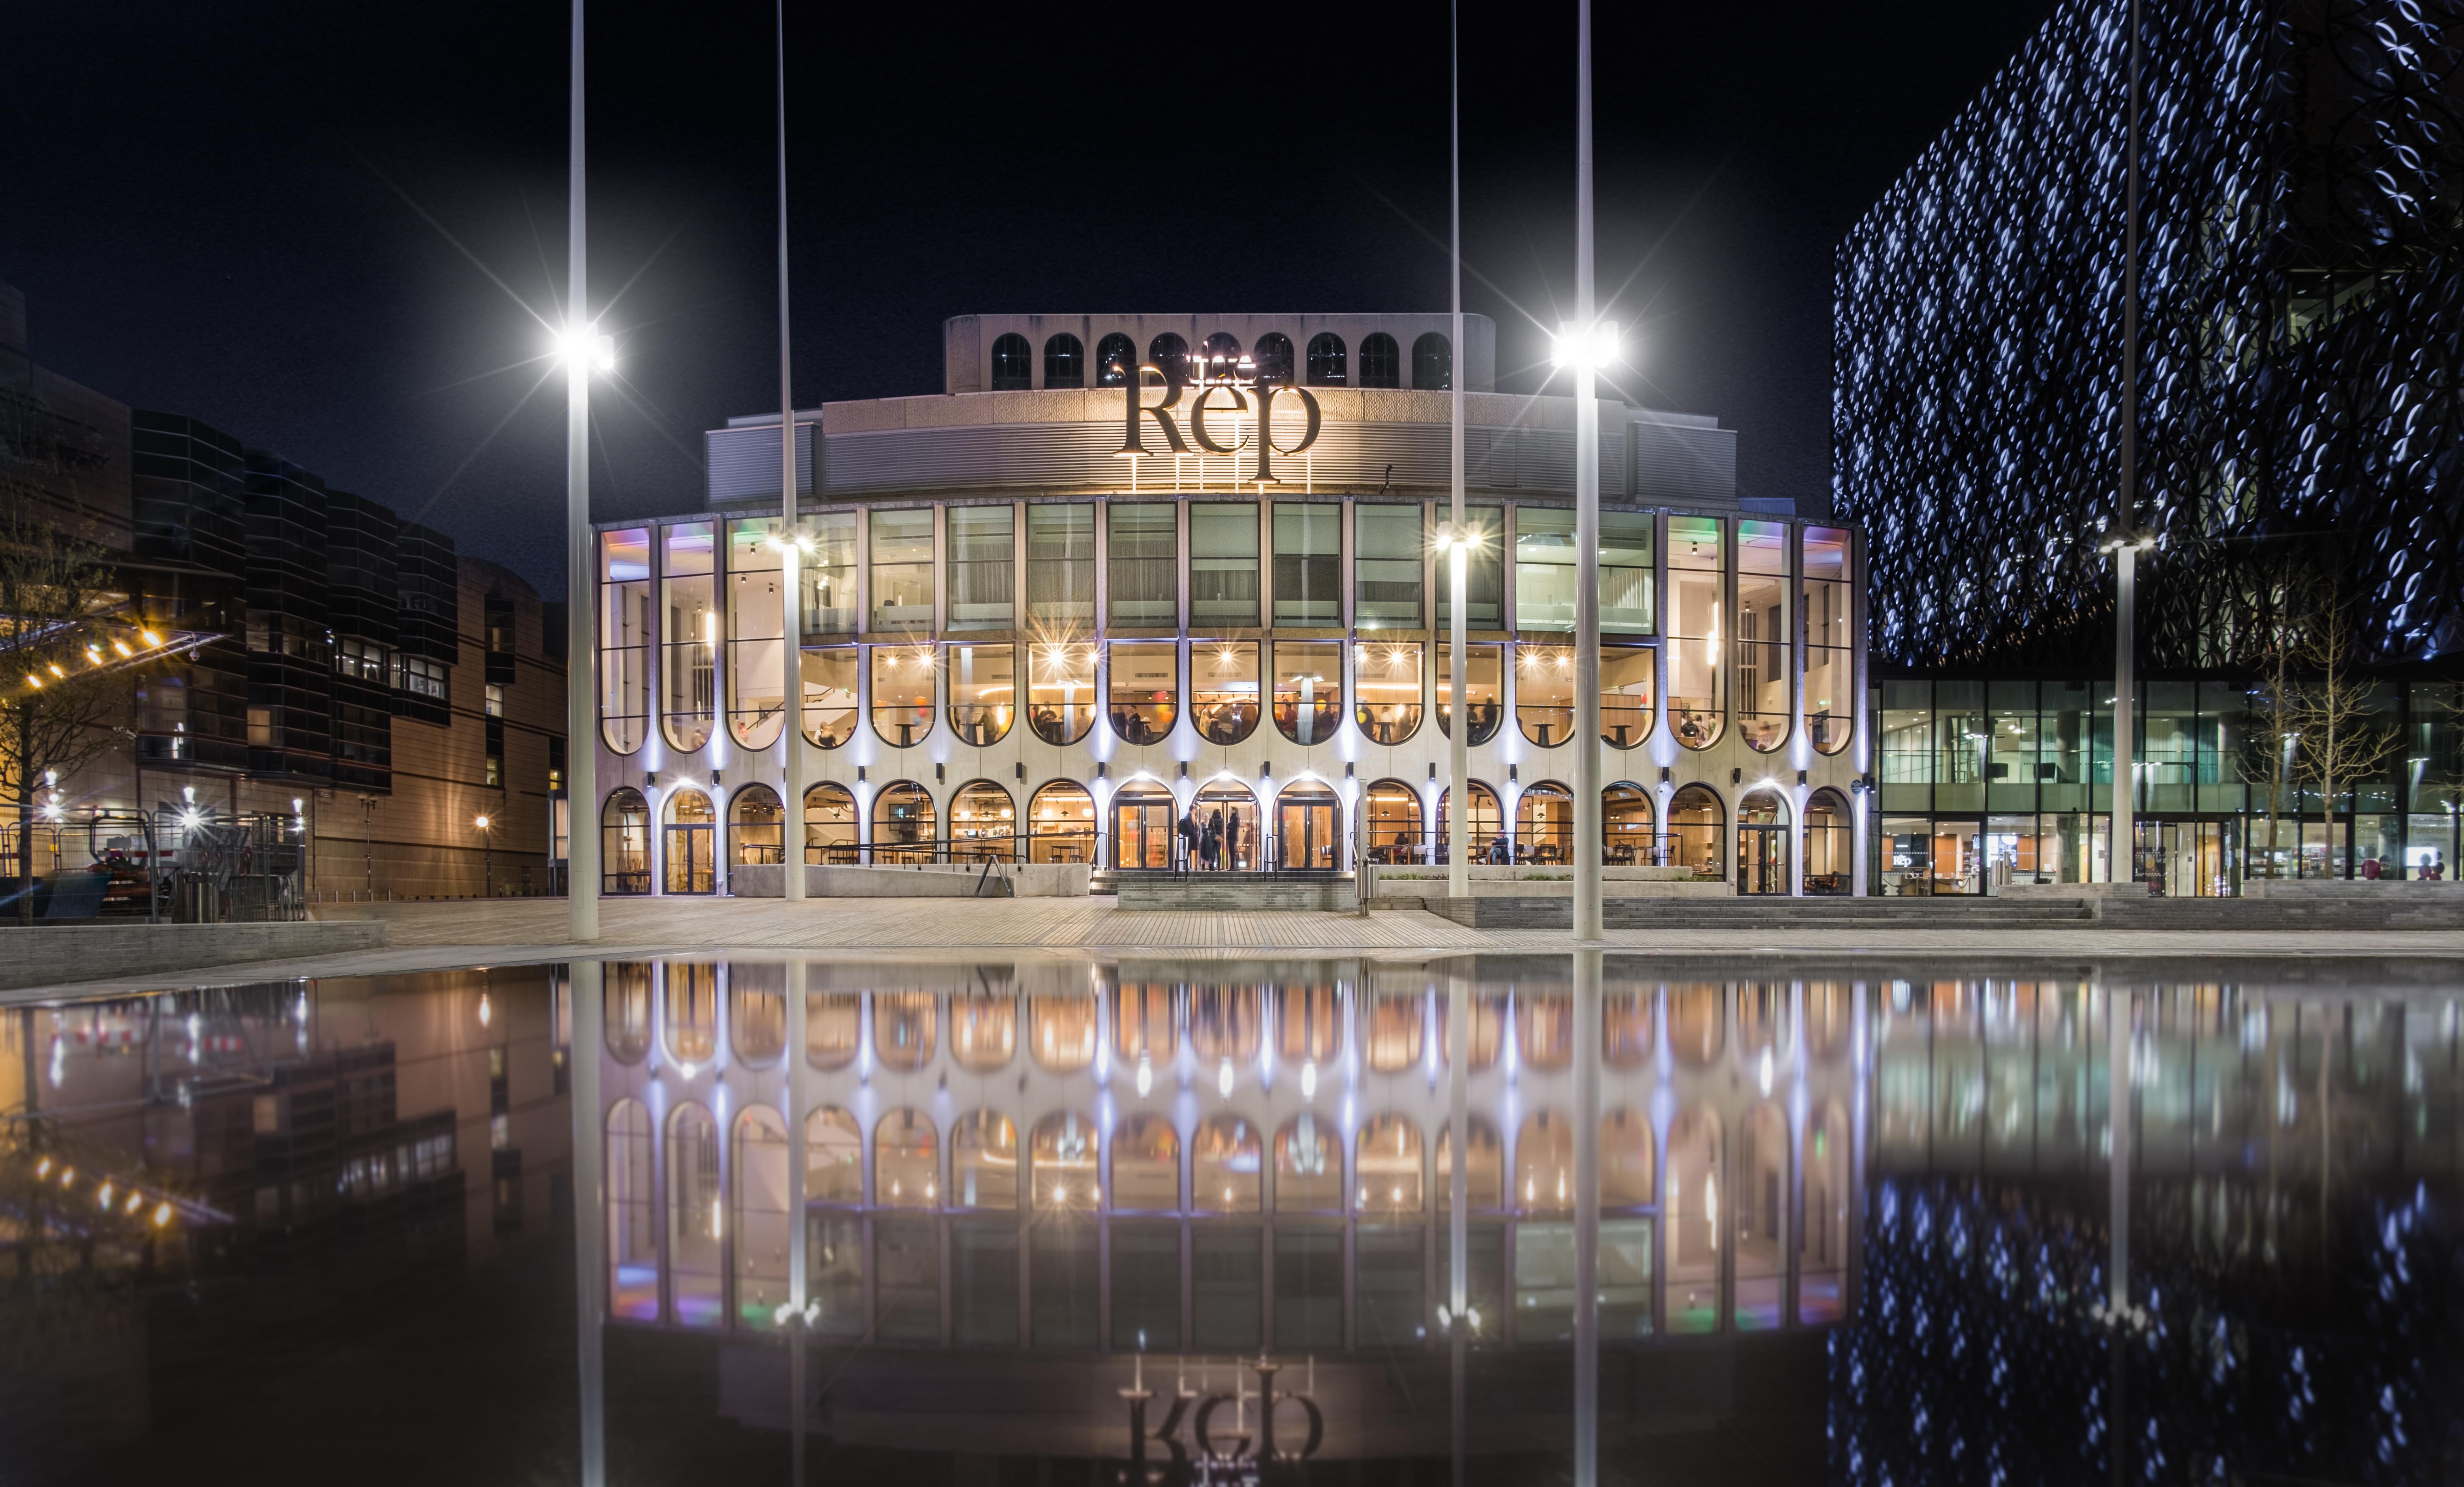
(584, 349)
(481, 823)
(2133, 539)
(1571, 347)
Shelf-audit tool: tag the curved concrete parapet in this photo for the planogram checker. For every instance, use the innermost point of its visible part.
(928, 879)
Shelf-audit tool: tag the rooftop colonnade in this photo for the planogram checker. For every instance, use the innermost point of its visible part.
(1017, 644)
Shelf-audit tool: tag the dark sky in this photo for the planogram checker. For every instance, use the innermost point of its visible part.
(250, 212)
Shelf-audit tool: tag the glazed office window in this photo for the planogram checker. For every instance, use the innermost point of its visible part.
(1273, 358)
(1309, 690)
(1061, 824)
(902, 824)
(1168, 355)
(1309, 562)
(1483, 689)
(1013, 363)
(1544, 568)
(1830, 651)
(829, 695)
(1544, 693)
(1629, 675)
(1061, 568)
(1696, 684)
(1222, 564)
(1144, 687)
(983, 824)
(830, 823)
(1065, 362)
(623, 638)
(1116, 357)
(1484, 573)
(1061, 692)
(1389, 555)
(1381, 360)
(1762, 642)
(902, 693)
(1224, 688)
(1626, 540)
(1326, 361)
(757, 635)
(1386, 689)
(1144, 561)
(982, 567)
(829, 572)
(1219, 356)
(984, 694)
(902, 570)
(689, 649)
(1433, 363)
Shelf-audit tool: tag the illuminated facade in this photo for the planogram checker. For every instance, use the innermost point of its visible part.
(1018, 644)
(2302, 338)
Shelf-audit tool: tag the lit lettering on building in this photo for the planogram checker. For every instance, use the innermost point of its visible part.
(1137, 410)
(1220, 1457)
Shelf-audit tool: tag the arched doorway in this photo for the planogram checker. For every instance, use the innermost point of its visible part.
(1625, 825)
(1544, 824)
(1828, 865)
(1696, 822)
(1239, 808)
(691, 850)
(1391, 815)
(624, 843)
(757, 827)
(1061, 824)
(1142, 825)
(1481, 817)
(1307, 835)
(1762, 843)
(902, 824)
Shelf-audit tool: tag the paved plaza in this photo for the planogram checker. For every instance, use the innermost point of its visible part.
(426, 936)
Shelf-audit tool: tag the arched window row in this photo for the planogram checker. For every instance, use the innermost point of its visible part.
(1330, 362)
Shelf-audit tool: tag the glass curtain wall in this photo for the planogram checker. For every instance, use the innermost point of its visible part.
(1308, 563)
(1697, 670)
(757, 635)
(1061, 569)
(1544, 568)
(689, 639)
(1144, 559)
(902, 571)
(1389, 557)
(1762, 642)
(1484, 574)
(982, 567)
(828, 573)
(1627, 603)
(1222, 564)
(984, 694)
(625, 638)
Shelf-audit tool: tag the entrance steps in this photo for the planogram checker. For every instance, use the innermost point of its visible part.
(1249, 891)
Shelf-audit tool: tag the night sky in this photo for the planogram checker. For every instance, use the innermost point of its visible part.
(250, 212)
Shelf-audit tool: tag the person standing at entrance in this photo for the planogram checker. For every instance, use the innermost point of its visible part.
(1212, 846)
(1232, 839)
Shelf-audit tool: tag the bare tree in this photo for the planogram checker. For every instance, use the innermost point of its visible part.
(2342, 736)
(2266, 762)
(64, 685)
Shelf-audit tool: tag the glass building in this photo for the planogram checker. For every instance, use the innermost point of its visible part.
(1018, 644)
(2297, 467)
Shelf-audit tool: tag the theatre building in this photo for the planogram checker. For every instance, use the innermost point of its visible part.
(1049, 611)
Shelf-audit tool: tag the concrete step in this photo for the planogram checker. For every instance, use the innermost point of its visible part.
(1238, 892)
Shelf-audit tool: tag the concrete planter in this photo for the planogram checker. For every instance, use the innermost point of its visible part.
(935, 879)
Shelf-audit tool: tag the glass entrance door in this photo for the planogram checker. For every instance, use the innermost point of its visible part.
(2191, 858)
(692, 861)
(1305, 829)
(1142, 829)
(1762, 858)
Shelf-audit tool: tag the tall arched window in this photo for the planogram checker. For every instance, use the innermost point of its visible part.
(1061, 824)
(1308, 1166)
(1223, 1166)
(1060, 691)
(1168, 355)
(757, 647)
(632, 1233)
(1273, 358)
(1481, 814)
(984, 694)
(983, 1161)
(1223, 690)
(1013, 363)
(757, 827)
(689, 642)
(983, 824)
(1544, 824)
(1759, 1227)
(1483, 1176)
(1116, 359)
(1483, 687)
(1690, 1216)
(1065, 362)
(1146, 1164)
(833, 1156)
(1325, 360)
(1381, 360)
(1433, 363)
(1066, 1157)
(1386, 1166)
(829, 695)
(906, 1161)
(983, 1027)
(627, 1002)
(1544, 693)
(1386, 690)
(1697, 822)
(902, 693)
(1391, 813)
(1627, 1175)
(691, 856)
(1762, 843)
(1827, 866)
(905, 1029)
(902, 824)
(625, 638)
(830, 823)
(624, 843)
(694, 1216)
(764, 1227)
(1625, 826)
(1220, 355)
(757, 1013)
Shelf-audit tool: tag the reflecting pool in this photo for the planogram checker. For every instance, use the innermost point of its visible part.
(1041, 1219)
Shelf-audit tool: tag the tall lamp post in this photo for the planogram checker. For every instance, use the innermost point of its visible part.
(585, 351)
(1453, 539)
(2125, 542)
(791, 658)
(487, 857)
